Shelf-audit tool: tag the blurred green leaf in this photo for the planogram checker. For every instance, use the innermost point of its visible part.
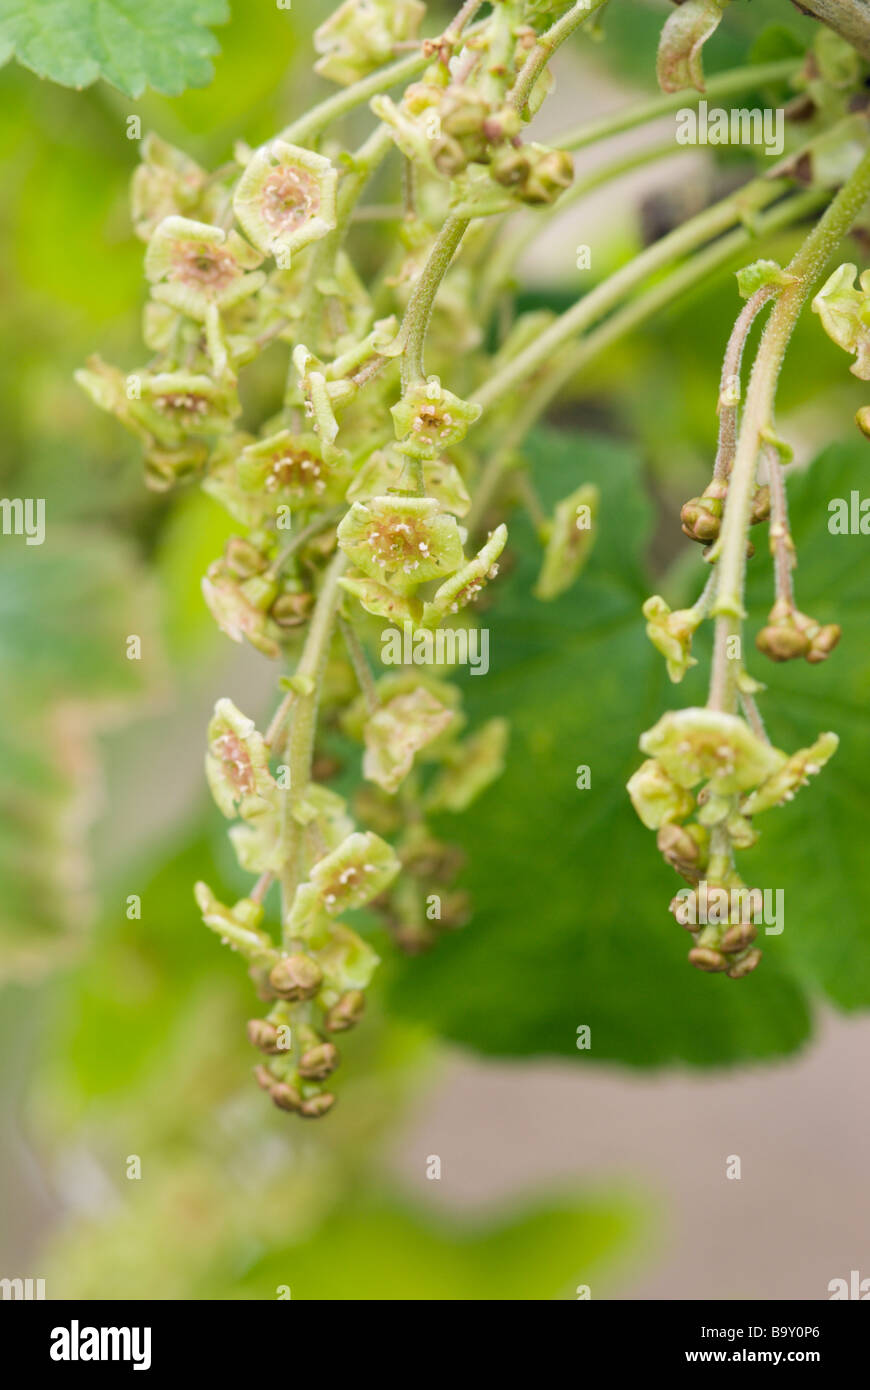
(67, 608)
(165, 45)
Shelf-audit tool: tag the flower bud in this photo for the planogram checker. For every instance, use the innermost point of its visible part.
(296, 977)
(738, 937)
(347, 1012)
(823, 643)
(264, 1078)
(706, 959)
(317, 1062)
(782, 642)
(264, 1035)
(862, 420)
(292, 610)
(760, 506)
(744, 966)
(315, 1106)
(286, 1097)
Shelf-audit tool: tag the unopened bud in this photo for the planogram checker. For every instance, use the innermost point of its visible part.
(744, 966)
(285, 1097)
(737, 937)
(347, 1012)
(264, 1035)
(296, 977)
(783, 643)
(292, 610)
(243, 558)
(760, 506)
(706, 959)
(315, 1106)
(264, 1077)
(317, 1062)
(862, 420)
(823, 643)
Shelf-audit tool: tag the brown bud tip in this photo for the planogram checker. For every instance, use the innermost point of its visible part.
(823, 643)
(317, 1062)
(264, 1077)
(346, 1012)
(315, 1106)
(760, 505)
(286, 1097)
(296, 977)
(737, 937)
(292, 610)
(705, 959)
(677, 845)
(698, 521)
(782, 643)
(744, 966)
(263, 1035)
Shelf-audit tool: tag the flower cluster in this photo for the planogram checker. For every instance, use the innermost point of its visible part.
(707, 774)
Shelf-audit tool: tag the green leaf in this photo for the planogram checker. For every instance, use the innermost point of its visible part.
(164, 44)
(67, 608)
(571, 924)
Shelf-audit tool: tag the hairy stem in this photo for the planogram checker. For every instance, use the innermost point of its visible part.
(544, 49)
(804, 268)
(419, 310)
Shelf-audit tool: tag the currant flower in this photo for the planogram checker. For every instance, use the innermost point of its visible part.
(237, 763)
(465, 585)
(355, 872)
(694, 745)
(288, 468)
(381, 601)
(429, 419)
(240, 607)
(656, 797)
(472, 766)
(198, 268)
(401, 541)
(671, 634)
(571, 535)
(385, 471)
(795, 773)
(238, 926)
(845, 315)
(399, 730)
(166, 183)
(361, 35)
(285, 199)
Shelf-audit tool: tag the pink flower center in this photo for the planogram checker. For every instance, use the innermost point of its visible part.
(197, 263)
(290, 197)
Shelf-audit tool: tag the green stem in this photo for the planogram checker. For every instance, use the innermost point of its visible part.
(299, 747)
(805, 268)
(696, 271)
(692, 234)
(544, 49)
(724, 85)
(419, 311)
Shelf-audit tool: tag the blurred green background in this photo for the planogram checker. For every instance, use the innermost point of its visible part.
(125, 1038)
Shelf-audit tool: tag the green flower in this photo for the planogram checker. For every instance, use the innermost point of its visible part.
(164, 408)
(197, 268)
(290, 468)
(464, 586)
(285, 199)
(429, 419)
(347, 961)
(386, 472)
(671, 634)
(238, 927)
(167, 183)
(471, 767)
(359, 869)
(396, 732)
(237, 763)
(404, 541)
(240, 607)
(656, 797)
(795, 773)
(694, 745)
(571, 537)
(382, 602)
(361, 35)
(845, 315)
